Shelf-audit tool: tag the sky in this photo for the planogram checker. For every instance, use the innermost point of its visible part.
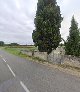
(17, 19)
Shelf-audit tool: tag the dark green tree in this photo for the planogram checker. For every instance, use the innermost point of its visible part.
(47, 25)
(72, 45)
(14, 44)
(1, 43)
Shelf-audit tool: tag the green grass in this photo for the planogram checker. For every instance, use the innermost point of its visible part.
(16, 51)
(30, 48)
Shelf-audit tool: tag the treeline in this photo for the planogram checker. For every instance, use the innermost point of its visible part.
(72, 45)
(46, 35)
(2, 43)
(11, 44)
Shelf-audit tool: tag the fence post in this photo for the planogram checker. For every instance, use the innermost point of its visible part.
(33, 53)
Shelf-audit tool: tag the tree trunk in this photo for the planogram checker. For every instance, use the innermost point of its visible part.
(48, 57)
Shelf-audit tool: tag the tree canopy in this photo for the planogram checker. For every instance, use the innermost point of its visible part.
(73, 40)
(47, 25)
(1, 43)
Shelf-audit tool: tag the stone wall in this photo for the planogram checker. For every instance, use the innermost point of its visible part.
(26, 52)
(42, 55)
(72, 58)
(57, 56)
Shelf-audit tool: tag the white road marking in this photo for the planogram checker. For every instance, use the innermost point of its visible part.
(25, 88)
(11, 70)
(4, 60)
(22, 84)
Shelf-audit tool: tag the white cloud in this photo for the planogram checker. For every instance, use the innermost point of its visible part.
(17, 18)
(67, 23)
(17, 4)
(68, 9)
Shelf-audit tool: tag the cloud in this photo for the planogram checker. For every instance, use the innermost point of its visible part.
(17, 19)
(68, 9)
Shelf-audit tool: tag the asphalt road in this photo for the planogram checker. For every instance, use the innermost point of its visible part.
(21, 75)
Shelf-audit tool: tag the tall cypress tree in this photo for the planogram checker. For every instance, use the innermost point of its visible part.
(72, 44)
(47, 25)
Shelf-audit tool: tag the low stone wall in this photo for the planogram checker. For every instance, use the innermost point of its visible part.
(57, 56)
(72, 58)
(54, 57)
(42, 55)
(26, 52)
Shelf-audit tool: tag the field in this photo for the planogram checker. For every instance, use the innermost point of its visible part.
(16, 49)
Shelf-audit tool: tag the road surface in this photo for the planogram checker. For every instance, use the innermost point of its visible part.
(21, 75)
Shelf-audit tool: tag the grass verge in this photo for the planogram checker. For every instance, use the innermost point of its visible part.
(74, 70)
(17, 52)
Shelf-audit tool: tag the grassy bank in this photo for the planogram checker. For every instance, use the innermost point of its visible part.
(69, 68)
(14, 51)
(17, 52)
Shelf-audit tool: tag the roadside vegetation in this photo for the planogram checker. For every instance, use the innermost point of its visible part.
(65, 67)
(47, 26)
(17, 51)
(47, 37)
(72, 45)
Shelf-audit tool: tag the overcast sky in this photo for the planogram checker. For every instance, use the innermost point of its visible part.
(17, 19)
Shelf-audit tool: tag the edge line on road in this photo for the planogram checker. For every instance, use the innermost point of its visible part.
(25, 88)
(4, 60)
(11, 70)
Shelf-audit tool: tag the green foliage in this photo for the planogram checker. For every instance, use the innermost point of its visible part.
(14, 51)
(1, 43)
(47, 22)
(14, 44)
(72, 46)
